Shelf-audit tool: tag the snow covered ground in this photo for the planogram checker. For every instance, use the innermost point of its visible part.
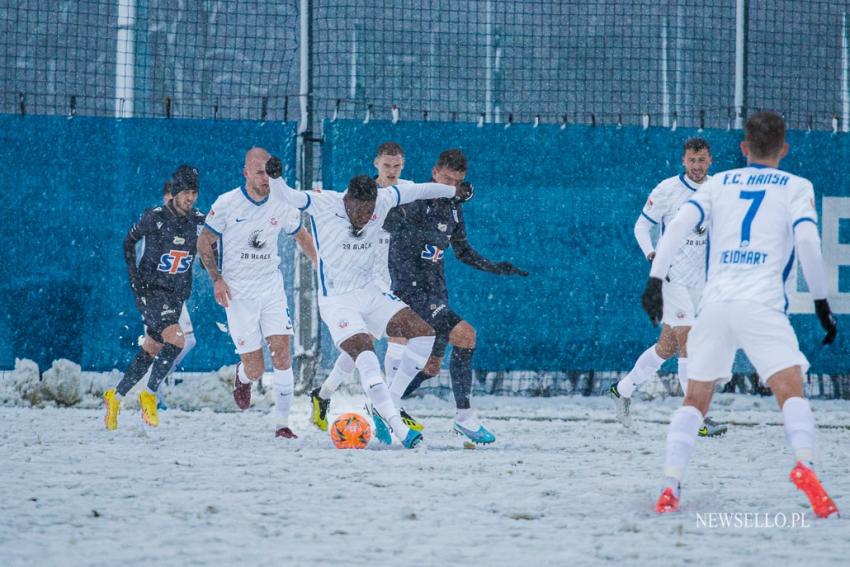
(564, 482)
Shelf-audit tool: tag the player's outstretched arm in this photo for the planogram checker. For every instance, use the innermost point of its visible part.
(684, 222)
(410, 192)
(471, 257)
(305, 243)
(298, 199)
(807, 243)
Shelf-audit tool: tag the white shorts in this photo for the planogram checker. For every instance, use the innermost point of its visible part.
(366, 310)
(680, 304)
(764, 334)
(251, 319)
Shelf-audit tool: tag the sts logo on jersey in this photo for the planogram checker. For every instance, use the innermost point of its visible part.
(432, 253)
(175, 262)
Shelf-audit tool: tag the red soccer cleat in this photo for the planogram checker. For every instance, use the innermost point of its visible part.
(286, 433)
(667, 502)
(241, 392)
(807, 481)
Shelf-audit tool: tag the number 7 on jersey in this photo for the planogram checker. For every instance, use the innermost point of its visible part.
(757, 197)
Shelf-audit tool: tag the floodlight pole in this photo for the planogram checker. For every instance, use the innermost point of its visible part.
(125, 48)
(306, 322)
(741, 10)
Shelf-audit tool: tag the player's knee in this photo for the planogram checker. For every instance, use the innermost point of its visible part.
(151, 346)
(463, 335)
(359, 343)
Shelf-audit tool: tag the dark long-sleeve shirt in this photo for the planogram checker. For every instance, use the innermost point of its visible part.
(168, 250)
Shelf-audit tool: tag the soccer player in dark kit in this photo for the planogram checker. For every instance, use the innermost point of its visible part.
(421, 232)
(161, 280)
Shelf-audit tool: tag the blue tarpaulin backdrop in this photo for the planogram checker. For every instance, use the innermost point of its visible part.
(72, 189)
(560, 203)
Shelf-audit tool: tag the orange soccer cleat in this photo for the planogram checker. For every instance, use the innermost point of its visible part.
(807, 481)
(667, 502)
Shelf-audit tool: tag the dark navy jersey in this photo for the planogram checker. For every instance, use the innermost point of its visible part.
(420, 233)
(169, 247)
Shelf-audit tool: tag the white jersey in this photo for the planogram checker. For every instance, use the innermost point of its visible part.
(751, 213)
(248, 247)
(346, 262)
(382, 253)
(688, 267)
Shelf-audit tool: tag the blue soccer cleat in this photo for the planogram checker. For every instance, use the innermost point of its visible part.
(413, 439)
(479, 436)
(382, 429)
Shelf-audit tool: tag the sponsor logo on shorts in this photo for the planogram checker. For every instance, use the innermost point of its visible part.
(343, 324)
(179, 240)
(165, 312)
(241, 342)
(273, 221)
(435, 312)
(680, 314)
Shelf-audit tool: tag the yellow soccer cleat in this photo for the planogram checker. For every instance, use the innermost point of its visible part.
(113, 408)
(319, 414)
(411, 421)
(147, 401)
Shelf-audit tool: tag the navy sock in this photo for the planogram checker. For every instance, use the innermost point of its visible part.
(460, 368)
(135, 372)
(162, 365)
(415, 383)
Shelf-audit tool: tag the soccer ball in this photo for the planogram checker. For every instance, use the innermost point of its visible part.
(350, 431)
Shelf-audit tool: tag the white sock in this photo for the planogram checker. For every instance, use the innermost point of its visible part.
(343, 370)
(189, 343)
(683, 375)
(283, 385)
(242, 376)
(378, 393)
(415, 356)
(645, 367)
(681, 438)
(392, 359)
(799, 428)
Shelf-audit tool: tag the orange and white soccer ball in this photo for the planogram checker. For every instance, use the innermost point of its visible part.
(350, 431)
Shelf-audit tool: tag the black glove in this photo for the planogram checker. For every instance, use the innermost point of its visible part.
(274, 167)
(827, 321)
(508, 269)
(652, 300)
(464, 193)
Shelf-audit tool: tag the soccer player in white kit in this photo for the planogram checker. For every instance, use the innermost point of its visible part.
(248, 283)
(759, 220)
(389, 161)
(352, 304)
(682, 285)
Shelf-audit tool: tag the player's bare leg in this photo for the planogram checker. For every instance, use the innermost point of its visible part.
(799, 424)
(681, 438)
(283, 384)
(360, 348)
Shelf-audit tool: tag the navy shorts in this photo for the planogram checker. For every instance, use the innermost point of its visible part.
(159, 311)
(435, 311)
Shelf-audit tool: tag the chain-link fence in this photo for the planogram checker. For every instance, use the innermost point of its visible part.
(461, 60)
